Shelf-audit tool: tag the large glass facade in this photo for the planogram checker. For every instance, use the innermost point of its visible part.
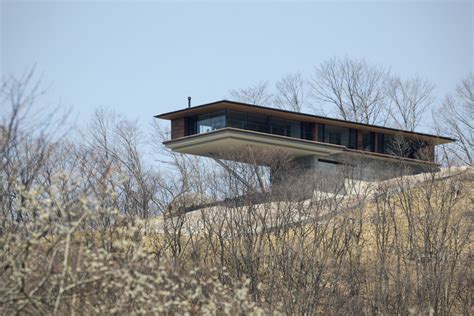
(255, 122)
(402, 146)
(371, 141)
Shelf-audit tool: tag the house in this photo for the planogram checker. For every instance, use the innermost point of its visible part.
(314, 142)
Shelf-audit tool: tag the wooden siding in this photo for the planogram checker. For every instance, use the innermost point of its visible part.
(178, 128)
(314, 131)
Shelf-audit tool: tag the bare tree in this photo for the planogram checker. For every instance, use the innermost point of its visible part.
(290, 92)
(410, 100)
(28, 135)
(455, 118)
(117, 148)
(356, 89)
(258, 94)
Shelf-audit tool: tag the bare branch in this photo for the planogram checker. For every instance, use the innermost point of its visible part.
(410, 100)
(356, 89)
(258, 94)
(455, 118)
(290, 92)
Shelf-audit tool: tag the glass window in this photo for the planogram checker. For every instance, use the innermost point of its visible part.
(263, 124)
(404, 147)
(256, 122)
(380, 143)
(352, 138)
(285, 127)
(397, 146)
(336, 135)
(320, 132)
(307, 130)
(210, 121)
(390, 145)
(236, 119)
(250, 121)
(368, 141)
(295, 129)
(191, 125)
(411, 147)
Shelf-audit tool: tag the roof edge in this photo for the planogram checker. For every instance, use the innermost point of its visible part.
(164, 115)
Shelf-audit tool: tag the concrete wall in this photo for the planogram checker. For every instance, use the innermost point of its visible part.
(371, 168)
(340, 172)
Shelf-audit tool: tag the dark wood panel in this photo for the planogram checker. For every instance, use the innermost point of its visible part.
(178, 128)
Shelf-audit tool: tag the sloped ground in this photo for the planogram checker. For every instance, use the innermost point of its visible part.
(402, 246)
(364, 194)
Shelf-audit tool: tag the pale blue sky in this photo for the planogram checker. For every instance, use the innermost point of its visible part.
(145, 58)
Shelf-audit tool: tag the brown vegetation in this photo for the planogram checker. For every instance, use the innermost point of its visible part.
(87, 228)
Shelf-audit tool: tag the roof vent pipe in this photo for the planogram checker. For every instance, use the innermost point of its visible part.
(189, 102)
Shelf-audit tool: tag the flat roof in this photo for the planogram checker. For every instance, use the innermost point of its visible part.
(227, 104)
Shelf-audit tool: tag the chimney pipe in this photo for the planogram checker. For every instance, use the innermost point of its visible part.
(189, 102)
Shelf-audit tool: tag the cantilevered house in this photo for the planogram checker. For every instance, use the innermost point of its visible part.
(314, 142)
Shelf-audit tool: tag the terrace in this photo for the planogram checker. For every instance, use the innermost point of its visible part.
(304, 134)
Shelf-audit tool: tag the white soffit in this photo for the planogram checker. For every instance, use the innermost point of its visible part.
(228, 140)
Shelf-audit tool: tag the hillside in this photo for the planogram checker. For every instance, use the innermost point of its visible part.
(404, 246)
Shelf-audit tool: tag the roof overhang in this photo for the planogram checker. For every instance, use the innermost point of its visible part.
(298, 116)
(224, 142)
